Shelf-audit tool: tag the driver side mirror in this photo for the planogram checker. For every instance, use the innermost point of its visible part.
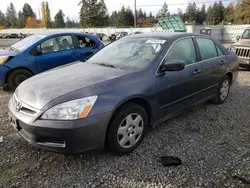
(238, 38)
(173, 65)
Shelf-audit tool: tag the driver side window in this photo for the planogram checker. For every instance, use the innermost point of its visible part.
(183, 50)
(56, 44)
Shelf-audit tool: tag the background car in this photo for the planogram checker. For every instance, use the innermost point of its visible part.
(130, 85)
(13, 36)
(242, 49)
(38, 53)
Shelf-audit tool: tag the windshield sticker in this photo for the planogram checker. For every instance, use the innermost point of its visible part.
(150, 41)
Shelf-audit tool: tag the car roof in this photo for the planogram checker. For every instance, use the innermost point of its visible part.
(65, 33)
(163, 35)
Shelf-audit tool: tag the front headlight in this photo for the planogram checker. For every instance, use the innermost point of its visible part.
(232, 49)
(3, 59)
(76, 109)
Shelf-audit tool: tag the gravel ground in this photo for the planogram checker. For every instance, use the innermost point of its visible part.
(212, 142)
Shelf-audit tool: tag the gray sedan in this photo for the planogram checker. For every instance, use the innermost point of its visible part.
(111, 99)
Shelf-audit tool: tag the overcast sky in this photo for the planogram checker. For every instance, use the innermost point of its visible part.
(71, 9)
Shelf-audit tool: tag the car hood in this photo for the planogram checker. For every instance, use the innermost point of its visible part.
(8, 53)
(45, 87)
(243, 42)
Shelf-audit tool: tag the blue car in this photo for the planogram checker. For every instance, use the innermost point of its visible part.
(38, 53)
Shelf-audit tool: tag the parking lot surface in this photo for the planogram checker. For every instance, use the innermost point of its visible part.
(212, 141)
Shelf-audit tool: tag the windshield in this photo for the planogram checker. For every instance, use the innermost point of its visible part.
(131, 54)
(27, 42)
(246, 34)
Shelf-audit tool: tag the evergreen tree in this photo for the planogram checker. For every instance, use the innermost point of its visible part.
(201, 14)
(191, 12)
(59, 20)
(11, 16)
(163, 12)
(47, 16)
(21, 20)
(140, 14)
(230, 13)
(3, 21)
(210, 18)
(27, 11)
(103, 16)
(113, 18)
(125, 17)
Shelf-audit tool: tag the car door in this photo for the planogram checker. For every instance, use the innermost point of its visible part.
(214, 65)
(86, 47)
(178, 90)
(55, 52)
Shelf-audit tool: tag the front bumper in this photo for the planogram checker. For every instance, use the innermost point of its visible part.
(244, 63)
(71, 137)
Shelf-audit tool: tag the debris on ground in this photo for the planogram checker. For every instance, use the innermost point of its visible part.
(170, 161)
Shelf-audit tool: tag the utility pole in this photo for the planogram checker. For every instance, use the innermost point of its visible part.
(135, 16)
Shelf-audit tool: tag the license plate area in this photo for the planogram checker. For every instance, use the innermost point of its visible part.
(14, 123)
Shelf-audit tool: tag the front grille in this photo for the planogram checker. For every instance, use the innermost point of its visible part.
(23, 108)
(243, 52)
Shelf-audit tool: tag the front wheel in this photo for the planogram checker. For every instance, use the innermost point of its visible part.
(222, 91)
(127, 129)
(17, 77)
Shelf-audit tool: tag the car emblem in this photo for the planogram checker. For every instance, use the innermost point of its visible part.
(18, 106)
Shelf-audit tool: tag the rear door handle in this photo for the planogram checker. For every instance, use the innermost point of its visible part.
(196, 72)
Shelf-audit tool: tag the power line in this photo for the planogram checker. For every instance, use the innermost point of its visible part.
(176, 4)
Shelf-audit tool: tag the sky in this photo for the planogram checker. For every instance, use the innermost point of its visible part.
(71, 8)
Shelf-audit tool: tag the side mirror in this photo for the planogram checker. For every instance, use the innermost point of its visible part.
(173, 65)
(238, 38)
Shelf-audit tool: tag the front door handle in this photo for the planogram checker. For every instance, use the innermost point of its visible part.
(222, 62)
(196, 72)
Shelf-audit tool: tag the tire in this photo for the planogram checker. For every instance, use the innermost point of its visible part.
(16, 77)
(131, 135)
(222, 91)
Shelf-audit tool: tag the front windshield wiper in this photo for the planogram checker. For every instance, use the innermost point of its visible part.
(13, 49)
(106, 65)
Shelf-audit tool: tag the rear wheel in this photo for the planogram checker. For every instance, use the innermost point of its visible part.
(127, 129)
(222, 91)
(16, 77)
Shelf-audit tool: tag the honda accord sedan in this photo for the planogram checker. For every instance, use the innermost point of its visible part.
(111, 99)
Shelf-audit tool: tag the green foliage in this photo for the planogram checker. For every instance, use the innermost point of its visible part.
(163, 12)
(59, 20)
(93, 13)
(113, 18)
(125, 17)
(3, 21)
(21, 20)
(11, 16)
(27, 11)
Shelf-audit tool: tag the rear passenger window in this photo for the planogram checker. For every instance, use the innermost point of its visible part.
(183, 50)
(207, 48)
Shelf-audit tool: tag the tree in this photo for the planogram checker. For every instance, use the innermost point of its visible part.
(163, 12)
(113, 18)
(191, 12)
(20, 20)
(93, 13)
(47, 16)
(218, 13)
(3, 21)
(210, 18)
(59, 20)
(27, 11)
(140, 14)
(230, 13)
(11, 16)
(201, 14)
(125, 17)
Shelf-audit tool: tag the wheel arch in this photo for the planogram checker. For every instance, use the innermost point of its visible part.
(10, 71)
(230, 75)
(136, 100)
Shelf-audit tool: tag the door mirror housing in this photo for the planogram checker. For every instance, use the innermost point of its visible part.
(238, 38)
(173, 65)
(36, 50)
